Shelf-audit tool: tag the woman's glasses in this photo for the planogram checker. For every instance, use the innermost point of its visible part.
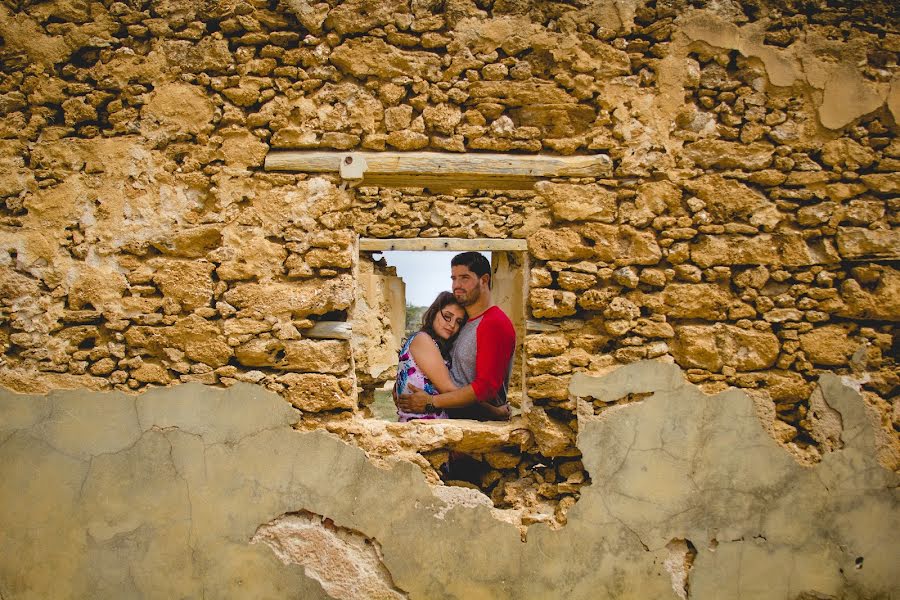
(451, 319)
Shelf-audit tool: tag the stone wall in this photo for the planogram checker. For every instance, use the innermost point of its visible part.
(748, 231)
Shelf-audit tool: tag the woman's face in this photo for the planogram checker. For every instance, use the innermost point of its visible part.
(448, 320)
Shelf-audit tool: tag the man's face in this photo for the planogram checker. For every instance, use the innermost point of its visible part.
(466, 285)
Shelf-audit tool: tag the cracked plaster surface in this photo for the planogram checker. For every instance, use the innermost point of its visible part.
(107, 495)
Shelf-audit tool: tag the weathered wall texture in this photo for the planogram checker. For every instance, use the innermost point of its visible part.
(748, 231)
(201, 492)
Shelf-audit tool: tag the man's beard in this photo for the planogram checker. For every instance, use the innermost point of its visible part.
(468, 299)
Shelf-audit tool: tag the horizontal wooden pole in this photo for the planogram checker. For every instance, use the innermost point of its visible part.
(450, 244)
(425, 169)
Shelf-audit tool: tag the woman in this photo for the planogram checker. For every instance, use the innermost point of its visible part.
(425, 357)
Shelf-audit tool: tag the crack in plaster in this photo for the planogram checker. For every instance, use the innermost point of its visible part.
(347, 563)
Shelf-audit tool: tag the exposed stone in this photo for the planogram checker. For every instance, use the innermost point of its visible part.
(829, 345)
(322, 356)
(579, 202)
(298, 300)
(622, 244)
(857, 242)
(552, 437)
(186, 282)
(547, 303)
(713, 347)
(367, 56)
(697, 301)
(315, 392)
(558, 244)
(545, 344)
(730, 155)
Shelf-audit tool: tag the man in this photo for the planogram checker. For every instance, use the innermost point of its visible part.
(481, 358)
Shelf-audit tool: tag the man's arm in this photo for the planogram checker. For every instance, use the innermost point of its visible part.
(416, 401)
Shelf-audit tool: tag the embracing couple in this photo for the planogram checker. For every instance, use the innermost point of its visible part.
(458, 364)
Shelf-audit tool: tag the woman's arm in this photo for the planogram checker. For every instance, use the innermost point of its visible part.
(427, 356)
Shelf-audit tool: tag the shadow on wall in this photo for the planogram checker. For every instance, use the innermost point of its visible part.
(160, 496)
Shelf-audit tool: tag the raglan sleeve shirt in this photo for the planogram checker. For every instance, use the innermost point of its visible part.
(496, 341)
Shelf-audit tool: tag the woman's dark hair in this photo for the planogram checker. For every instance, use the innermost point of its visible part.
(443, 300)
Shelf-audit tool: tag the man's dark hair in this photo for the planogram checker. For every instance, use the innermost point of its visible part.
(476, 262)
(443, 300)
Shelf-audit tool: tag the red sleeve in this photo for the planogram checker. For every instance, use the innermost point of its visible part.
(496, 341)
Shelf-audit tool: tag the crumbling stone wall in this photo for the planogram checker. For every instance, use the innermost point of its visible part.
(748, 231)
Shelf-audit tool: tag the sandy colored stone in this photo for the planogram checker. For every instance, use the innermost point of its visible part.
(579, 202)
(179, 107)
(545, 344)
(622, 245)
(314, 392)
(712, 347)
(858, 242)
(186, 282)
(552, 437)
(98, 288)
(546, 303)
(557, 244)
(152, 373)
(844, 152)
(199, 339)
(727, 199)
(322, 356)
(884, 183)
(829, 345)
(242, 149)
(882, 302)
(299, 300)
(730, 155)
(788, 249)
(190, 242)
(697, 301)
(365, 57)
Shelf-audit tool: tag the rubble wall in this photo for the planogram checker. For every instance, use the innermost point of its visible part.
(748, 231)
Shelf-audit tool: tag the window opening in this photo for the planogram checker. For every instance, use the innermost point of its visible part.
(397, 285)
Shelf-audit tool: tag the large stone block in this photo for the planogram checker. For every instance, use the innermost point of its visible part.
(622, 244)
(558, 244)
(549, 304)
(189, 283)
(199, 339)
(881, 301)
(829, 346)
(711, 347)
(727, 200)
(310, 356)
(861, 243)
(730, 155)
(372, 57)
(697, 301)
(788, 249)
(298, 300)
(579, 202)
(553, 437)
(315, 392)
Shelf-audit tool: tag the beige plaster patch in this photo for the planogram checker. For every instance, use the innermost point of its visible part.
(160, 495)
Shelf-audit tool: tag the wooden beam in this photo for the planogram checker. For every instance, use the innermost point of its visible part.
(437, 169)
(450, 244)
